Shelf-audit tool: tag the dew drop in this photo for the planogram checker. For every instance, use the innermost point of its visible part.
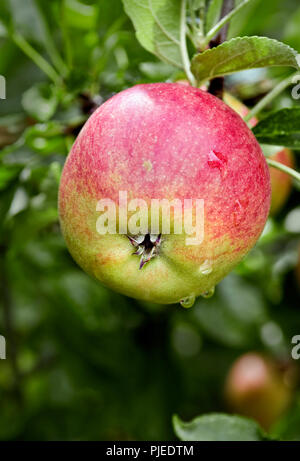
(209, 293)
(188, 301)
(216, 159)
(206, 267)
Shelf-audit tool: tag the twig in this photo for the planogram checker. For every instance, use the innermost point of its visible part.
(284, 168)
(216, 85)
(37, 58)
(225, 20)
(270, 96)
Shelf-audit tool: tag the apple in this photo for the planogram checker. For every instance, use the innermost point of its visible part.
(231, 101)
(256, 387)
(171, 142)
(281, 183)
(239, 107)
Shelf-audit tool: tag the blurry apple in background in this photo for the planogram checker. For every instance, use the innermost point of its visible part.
(281, 183)
(239, 107)
(257, 388)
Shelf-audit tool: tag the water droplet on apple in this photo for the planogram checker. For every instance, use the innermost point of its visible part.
(209, 293)
(188, 301)
(206, 267)
(216, 159)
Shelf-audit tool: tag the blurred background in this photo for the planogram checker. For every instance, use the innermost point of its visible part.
(84, 363)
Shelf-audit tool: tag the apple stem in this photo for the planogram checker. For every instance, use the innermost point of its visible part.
(290, 171)
(270, 96)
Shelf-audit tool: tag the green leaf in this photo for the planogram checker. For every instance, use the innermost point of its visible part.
(3, 29)
(27, 20)
(157, 25)
(47, 130)
(40, 101)
(242, 53)
(6, 199)
(7, 175)
(46, 138)
(225, 20)
(291, 30)
(288, 426)
(80, 15)
(30, 22)
(212, 14)
(218, 427)
(196, 4)
(156, 70)
(280, 128)
(221, 317)
(232, 290)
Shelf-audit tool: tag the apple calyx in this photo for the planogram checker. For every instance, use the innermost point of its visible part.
(147, 246)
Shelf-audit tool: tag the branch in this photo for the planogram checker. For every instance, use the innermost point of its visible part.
(37, 58)
(216, 85)
(225, 20)
(270, 96)
(293, 173)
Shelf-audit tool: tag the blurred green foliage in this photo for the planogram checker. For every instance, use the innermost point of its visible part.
(83, 362)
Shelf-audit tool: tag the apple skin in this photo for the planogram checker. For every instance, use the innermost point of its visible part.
(165, 140)
(281, 183)
(231, 101)
(256, 388)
